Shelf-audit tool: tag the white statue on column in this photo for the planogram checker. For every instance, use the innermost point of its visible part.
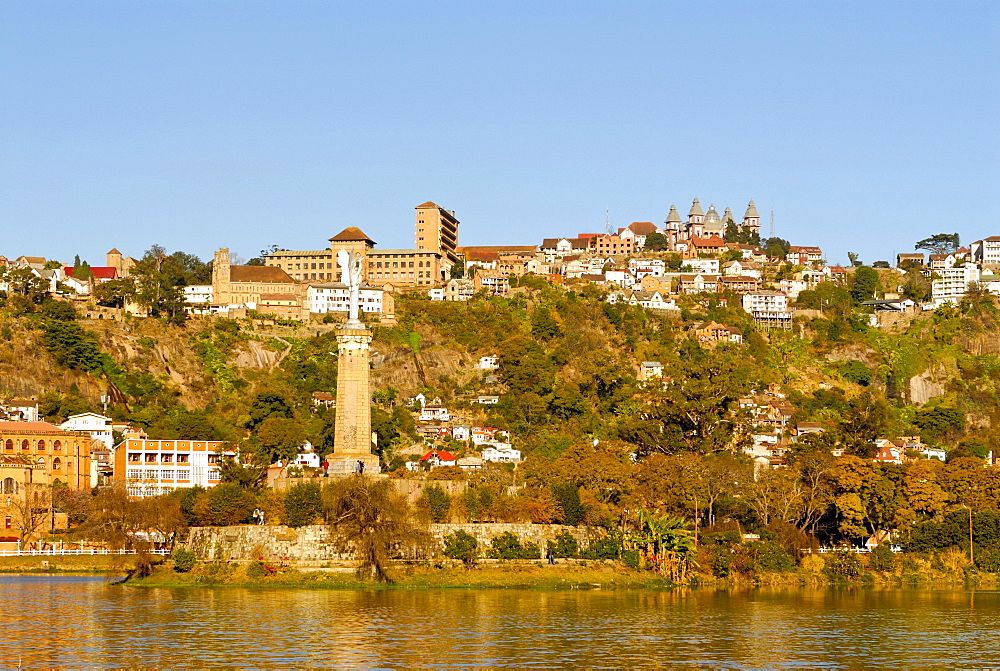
(350, 274)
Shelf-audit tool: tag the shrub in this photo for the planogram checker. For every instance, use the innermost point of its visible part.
(631, 558)
(255, 570)
(565, 545)
(461, 545)
(608, 546)
(988, 560)
(842, 565)
(508, 546)
(184, 560)
(882, 559)
(303, 504)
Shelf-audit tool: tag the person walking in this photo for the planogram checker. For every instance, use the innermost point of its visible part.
(326, 468)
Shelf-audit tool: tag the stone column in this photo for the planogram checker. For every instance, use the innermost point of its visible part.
(352, 436)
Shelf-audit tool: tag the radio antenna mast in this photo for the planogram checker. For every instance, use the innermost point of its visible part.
(772, 217)
(607, 221)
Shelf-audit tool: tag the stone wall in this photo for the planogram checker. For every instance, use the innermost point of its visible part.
(313, 544)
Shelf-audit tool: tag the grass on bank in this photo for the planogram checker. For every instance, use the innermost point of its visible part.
(500, 576)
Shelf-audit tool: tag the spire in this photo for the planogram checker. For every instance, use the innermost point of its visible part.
(751, 211)
(727, 216)
(674, 217)
(695, 208)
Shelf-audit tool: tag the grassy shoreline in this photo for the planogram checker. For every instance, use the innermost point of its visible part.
(100, 564)
(592, 576)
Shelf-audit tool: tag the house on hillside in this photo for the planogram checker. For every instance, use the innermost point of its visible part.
(650, 370)
(436, 458)
(715, 332)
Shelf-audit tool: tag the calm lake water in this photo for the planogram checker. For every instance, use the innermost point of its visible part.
(53, 621)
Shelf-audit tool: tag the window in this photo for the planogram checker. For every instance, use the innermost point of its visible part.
(166, 458)
(9, 445)
(41, 461)
(41, 445)
(9, 487)
(151, 458)
(57, 445)
(24, 445)
(182, 458)
(56, 464)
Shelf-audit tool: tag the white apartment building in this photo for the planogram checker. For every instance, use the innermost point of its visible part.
(336, 297)
(952, 283)
(765, 301)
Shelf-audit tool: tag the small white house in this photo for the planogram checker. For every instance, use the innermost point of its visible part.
(486, 400)
(460, 432)
(489, 362)
(435, 413)
(436, 294)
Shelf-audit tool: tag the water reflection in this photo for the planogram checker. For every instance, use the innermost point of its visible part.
(68, 621)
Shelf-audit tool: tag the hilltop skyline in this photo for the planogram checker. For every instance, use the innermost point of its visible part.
(244, 125)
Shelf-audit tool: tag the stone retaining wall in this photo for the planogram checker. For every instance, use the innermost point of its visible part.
(313, 543)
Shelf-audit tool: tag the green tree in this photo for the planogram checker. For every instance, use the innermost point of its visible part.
(281, 438)
(114, 293)
(268, 404)
(437, 502)
(370, 517)
(655, 241)
(865, 284)
(942, 243)
(543, 325)
(58, 310)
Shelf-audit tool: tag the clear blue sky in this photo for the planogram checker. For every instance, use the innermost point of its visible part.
(197, 125)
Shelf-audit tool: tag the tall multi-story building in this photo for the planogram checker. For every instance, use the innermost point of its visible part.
(437, 230)
(428, 264)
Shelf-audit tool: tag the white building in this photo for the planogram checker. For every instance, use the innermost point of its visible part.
(710, 266)
(489, 362)
(434, 413)
(500, 453)
(987, 251)
(948, 285)
(96, 426)
(336, 297)
(436, 294)
(765, 301)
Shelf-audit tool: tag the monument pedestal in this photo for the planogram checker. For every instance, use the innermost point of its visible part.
(346, 464)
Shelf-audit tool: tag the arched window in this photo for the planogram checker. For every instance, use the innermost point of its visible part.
(69, 466)
(56, 463)
(41, 445)
(9, 445)
(57, 445)
(24, 445)
(41, 461)
(9, 485)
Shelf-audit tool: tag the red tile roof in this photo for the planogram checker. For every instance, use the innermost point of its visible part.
(351, 234)
(30, 427)
(443, 455)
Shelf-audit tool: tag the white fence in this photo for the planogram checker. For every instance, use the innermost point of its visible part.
(74, 551)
